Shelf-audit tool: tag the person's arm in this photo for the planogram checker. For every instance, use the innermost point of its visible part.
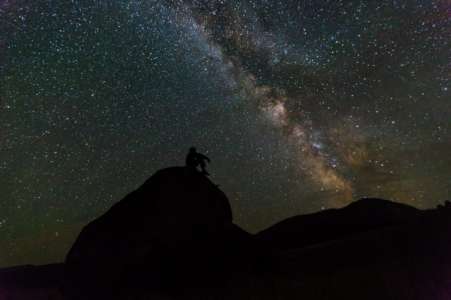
(205, 157)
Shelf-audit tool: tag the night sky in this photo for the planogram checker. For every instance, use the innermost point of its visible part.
(301, 106)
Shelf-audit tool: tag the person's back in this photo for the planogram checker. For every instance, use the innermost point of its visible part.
(194, 159)
(191, 159)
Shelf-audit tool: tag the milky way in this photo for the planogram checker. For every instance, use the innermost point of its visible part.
(302, 106)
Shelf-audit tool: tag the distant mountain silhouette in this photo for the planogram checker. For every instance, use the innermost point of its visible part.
(174, 238)
(360, 216)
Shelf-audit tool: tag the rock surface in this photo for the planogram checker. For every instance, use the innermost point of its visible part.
(175, 230)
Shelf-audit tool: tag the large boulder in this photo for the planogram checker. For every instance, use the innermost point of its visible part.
(175, 230)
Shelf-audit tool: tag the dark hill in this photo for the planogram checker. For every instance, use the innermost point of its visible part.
(360, 216)
(404, 261)
(31, 282)
(31, 276)
(174, 238)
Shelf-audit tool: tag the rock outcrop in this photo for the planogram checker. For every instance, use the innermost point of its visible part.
(175, 230)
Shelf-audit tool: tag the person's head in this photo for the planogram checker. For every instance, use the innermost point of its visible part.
(192, 149)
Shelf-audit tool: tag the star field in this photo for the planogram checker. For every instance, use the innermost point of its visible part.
(301, 105)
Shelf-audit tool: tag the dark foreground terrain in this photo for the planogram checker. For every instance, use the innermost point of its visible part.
(174, 238)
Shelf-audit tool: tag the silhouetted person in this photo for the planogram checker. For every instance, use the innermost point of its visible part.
(195, 159)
